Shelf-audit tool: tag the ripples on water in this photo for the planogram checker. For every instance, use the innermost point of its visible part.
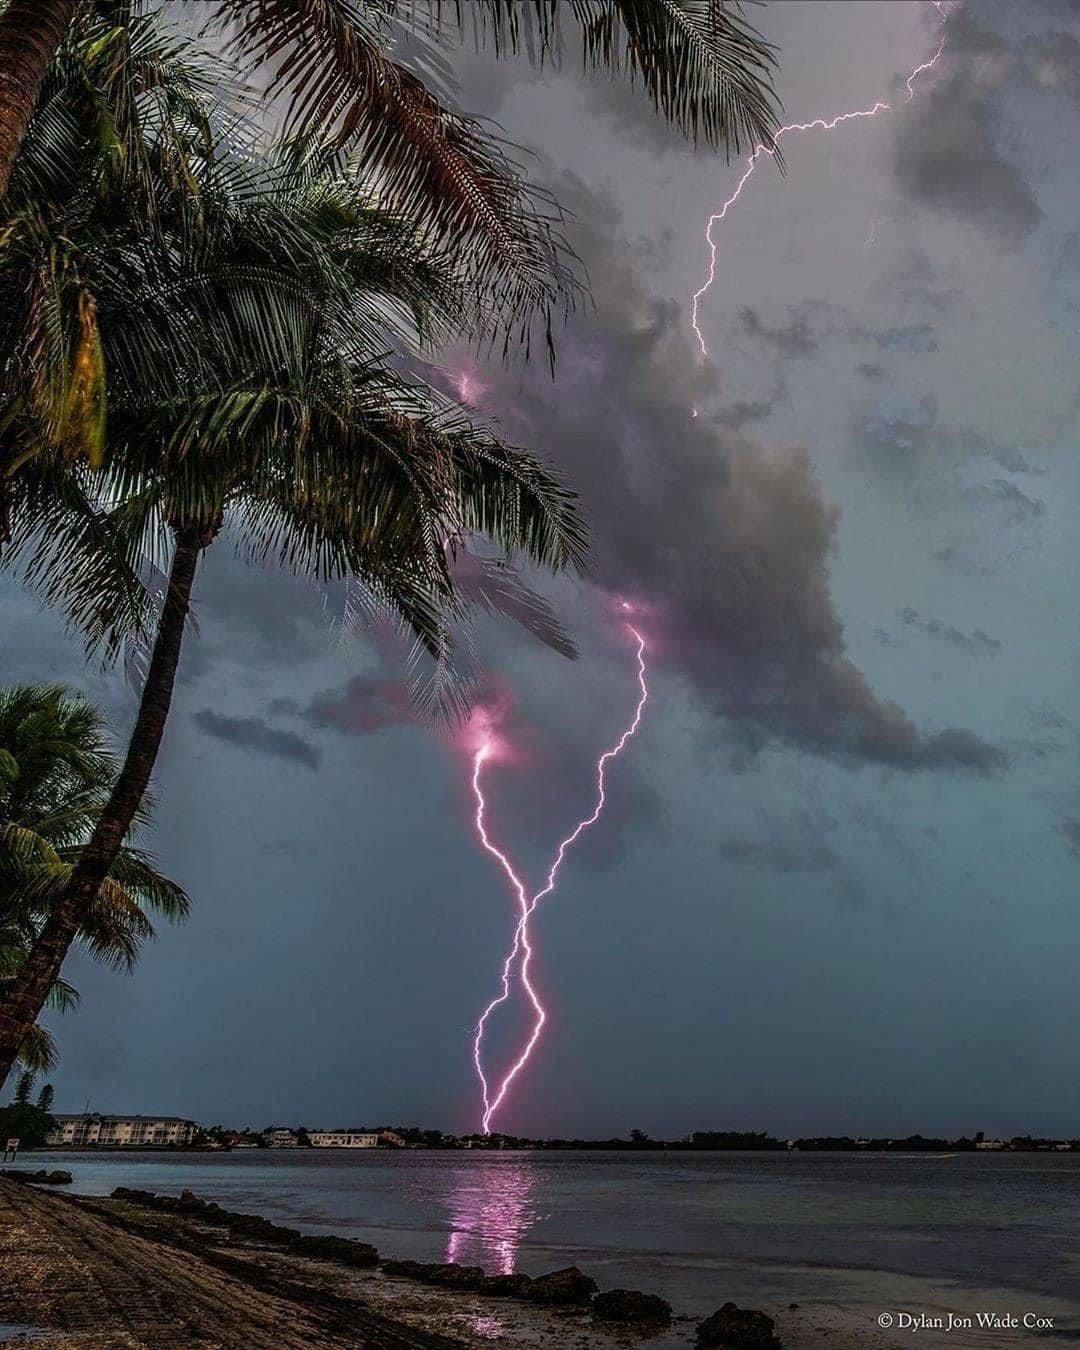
(689, 1226)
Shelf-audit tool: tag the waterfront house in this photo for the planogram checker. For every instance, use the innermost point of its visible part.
(91, 1130)
(280, 1138)
(342, 1139)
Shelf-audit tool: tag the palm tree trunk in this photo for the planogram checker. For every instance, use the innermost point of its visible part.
(27, 991)
(30, 32)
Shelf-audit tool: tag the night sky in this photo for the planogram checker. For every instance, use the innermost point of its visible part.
(836, 889)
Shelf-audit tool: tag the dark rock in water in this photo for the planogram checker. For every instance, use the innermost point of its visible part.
(39, 1178)
(562, 1286)
(506, 1286)
(133, 1196)
(336, 1249)
(189, 1203)
(408, 1270)
(738, 1328)
(255, 1226)
(629, 1305)
(448, 1275)
(453, 1276)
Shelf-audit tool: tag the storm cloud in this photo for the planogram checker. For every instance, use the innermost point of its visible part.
(726, 539)
(948, 155)
(253, 733)
(368, 703)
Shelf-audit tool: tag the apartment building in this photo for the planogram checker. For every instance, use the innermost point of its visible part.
(342, 1139)
(81, 1131)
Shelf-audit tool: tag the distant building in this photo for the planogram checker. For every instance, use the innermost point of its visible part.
(992, 1145)
(79, 1131)
(240, 1139)
(280, 1138)
(342, 1139)
(391, 1139)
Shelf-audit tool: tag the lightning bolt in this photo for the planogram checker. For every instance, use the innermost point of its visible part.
(521, 946)
(818, 124)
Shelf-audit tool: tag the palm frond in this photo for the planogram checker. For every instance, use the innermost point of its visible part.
(427, 160)
(37, 1050)
(704, 68)
(702, 65)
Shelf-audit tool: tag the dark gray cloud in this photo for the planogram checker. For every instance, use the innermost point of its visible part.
(367, 703)
(252, 733)
(811, 324)
(741, 412)
(1008, 504)
(796, 338)
(726, 540)
(947, 150)
(915, 285)
(1014, 460)
(975, 643)
(1045, 717)
(1070, 829)
(1053, 63)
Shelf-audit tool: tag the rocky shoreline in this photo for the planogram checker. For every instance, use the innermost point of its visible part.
(730, 1326)
(139, 1269)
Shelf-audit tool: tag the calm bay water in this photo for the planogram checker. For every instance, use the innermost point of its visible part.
(697, 1228)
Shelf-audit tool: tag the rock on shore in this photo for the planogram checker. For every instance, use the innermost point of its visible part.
(328, 1248)
(739, 1329)
(41, 1177)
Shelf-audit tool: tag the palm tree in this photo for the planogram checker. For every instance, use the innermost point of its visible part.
(30, 33)
(250, 392)
(56, 775)
(702, 66)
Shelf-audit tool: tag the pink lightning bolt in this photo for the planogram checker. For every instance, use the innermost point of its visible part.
(819, 123)
(527, 906)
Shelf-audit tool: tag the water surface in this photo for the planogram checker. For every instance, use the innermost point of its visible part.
(698, 1228)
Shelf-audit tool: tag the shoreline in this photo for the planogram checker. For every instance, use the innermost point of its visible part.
(97, 1273)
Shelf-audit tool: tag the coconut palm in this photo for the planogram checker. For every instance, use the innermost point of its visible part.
(56, 774)
(698, 61)
(251, 394)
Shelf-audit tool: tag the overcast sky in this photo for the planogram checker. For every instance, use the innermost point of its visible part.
(836, 889)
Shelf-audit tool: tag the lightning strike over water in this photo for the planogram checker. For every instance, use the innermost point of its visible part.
(818, 123)
(522, 947)
(519, 957)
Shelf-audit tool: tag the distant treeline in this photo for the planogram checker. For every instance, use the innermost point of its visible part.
(412, 1136)
(759, 1141)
